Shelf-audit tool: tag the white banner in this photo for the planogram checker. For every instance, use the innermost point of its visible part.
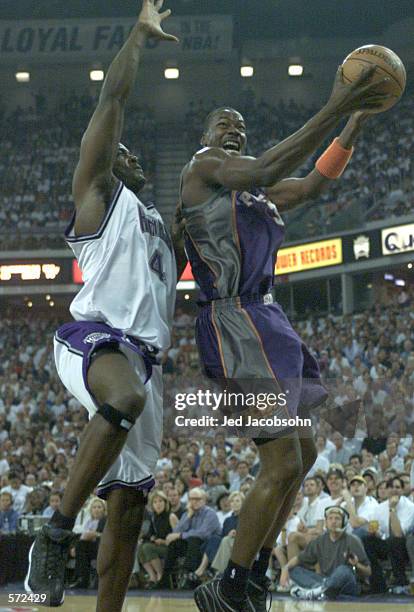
(399, 239)
(100, 38)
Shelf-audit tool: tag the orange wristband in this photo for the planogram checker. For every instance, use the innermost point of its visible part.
(334, 160)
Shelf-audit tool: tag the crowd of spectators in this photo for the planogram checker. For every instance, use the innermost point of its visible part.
(40, 147)
(378, 184)
(202, 481)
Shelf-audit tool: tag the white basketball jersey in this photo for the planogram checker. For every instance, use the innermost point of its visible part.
(129, 271)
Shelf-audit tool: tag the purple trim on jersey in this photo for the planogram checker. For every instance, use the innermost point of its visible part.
(260, 237)
(144, 485)
(103, 224)
(208, 344)
(84, 337)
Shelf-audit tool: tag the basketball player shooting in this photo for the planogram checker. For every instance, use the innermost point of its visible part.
(107, 357)
(233, 232)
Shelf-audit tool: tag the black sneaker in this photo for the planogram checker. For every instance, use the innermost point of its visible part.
(209, 598)
(258, 592)
(47, 563)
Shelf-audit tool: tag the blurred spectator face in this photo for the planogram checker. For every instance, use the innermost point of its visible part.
(298, 501)
(161, 477)
(335, 484)
(54, 501)
(6, 502)
(167, 486)
(358, 489)
(334, 521)
(407, 484)
(243, 469)
(367, 459)
(158, 504)
(185, 473)
(382, 491)
(391, 449)
(15, 483)
(236, 502)
(30, 480)
(174, 498)
(211, 479)
(180, 486)
(197, 499)
(233, 463)
(356, 463)
(224, 504)
(208, 449)
(98, 510)
(395, 487)
(310, 488)
(320, 443)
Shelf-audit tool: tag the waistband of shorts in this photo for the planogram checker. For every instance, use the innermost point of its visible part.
(242, 300)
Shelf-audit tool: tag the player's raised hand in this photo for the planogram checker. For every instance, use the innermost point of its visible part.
(362, 95)
(150, 20)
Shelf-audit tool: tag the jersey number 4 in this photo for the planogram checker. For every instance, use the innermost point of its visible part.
(156, 265)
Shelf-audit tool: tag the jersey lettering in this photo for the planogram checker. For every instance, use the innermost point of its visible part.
(156, 265)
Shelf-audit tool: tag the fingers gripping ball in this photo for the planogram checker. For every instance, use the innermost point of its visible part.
(388, 65)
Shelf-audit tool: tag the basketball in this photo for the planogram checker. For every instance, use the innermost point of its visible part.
(387, 63)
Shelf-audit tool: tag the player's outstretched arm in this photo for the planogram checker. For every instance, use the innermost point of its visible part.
(217, 167)
(292, 192)
(100, 142)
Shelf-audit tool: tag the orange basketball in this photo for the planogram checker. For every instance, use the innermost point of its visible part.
(387, 63)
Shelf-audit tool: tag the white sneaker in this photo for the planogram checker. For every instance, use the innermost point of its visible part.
(315, 594)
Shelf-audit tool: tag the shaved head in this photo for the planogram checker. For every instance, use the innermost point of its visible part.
(216, 112)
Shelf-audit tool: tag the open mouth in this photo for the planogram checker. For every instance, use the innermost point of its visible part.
(231, 145)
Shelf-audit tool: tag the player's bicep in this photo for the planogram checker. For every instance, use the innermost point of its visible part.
(99, 146)
(219, 168)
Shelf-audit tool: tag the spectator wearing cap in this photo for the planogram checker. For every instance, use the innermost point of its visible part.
(370, 476)
(196, 525)
(359, 506)
(395, 518)
(336, 484)
(340, 556)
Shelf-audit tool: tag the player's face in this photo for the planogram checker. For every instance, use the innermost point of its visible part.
(227, 130)
(128, 170)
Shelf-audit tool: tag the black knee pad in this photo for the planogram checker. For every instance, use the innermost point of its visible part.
(116, 417)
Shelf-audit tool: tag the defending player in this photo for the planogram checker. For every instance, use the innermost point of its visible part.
(107, 358)
(233, 233)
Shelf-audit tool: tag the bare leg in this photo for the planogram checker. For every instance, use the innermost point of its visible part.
(150, 571)
(112, 381)
(157, 565)
(117, 549)
(280, 466)
(308, 454)
(203, 566)
(297, 542)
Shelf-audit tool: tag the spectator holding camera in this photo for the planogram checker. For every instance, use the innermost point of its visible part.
(391, 521)
(341, 558)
